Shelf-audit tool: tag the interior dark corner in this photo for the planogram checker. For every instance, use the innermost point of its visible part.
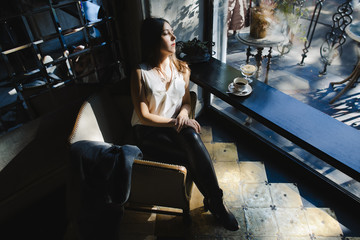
(285, 152)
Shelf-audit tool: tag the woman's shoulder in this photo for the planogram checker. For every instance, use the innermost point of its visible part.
(144, 66)
(141, 67)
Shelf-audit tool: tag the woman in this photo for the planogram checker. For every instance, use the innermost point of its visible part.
(163, 130)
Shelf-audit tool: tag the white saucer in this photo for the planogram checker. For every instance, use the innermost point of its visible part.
(245, 92)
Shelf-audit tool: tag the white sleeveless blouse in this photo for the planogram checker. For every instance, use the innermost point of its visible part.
(162, 102)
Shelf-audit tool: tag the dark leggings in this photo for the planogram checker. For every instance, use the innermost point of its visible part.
(165, 144)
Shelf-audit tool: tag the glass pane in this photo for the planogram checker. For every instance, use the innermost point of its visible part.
(41, 25)
(8, 10)
(68, 17)
(31, 5)
(33, 86)
(58, 72)
(12, 116)
(23, 61)
(103, 56)
(3, 72)
(98, 33)
(75, 39)
(82, 66)
(51, 48)
(12, 34)
(104, 63)
(89, 78)
(8, 95)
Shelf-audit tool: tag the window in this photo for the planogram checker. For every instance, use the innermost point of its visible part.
(48, 47)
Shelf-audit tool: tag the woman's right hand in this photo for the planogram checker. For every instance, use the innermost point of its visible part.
(191, 123)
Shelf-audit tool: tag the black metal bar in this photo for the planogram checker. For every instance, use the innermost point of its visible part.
(269, 56)
(208, 24)
(14, 43)
(36, 51)
(57, 26)
(248, 54)
(311, 30)
(332, 46)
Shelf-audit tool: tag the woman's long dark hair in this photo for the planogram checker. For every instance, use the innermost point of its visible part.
(151, 32)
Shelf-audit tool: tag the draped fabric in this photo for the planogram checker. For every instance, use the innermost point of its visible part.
(100, 184)
(236, 14)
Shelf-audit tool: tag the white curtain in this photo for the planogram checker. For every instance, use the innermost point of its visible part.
(220, 29)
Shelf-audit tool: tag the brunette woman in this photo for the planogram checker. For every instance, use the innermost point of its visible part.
(163, 129)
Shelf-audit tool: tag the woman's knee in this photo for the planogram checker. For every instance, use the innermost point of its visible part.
(190, 135)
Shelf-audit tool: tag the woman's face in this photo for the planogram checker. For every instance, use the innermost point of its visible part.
(167, 45)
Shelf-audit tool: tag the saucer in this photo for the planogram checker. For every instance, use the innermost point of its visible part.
(245, 92)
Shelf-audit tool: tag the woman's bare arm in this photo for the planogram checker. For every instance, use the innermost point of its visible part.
(182, 120)
(141, 105)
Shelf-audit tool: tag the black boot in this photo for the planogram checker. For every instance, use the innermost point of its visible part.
(219, 210)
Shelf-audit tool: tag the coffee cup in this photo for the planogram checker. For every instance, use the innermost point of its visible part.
(240, 84)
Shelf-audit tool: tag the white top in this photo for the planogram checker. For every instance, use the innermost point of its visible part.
(162, 102)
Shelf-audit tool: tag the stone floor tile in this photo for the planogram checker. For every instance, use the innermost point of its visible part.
(225, 152)
(239, 213)
(329, 238)
(138, 237)
(285, 195)
(323, 222)
(252, 172)
(137, 223)
(171, 226)
(227, 172)
(210, 148)
(206, 134)
(292, 222)
(262, 238)
(256, 195)
(218, 238)
(232, 194)
(196, 200)
(295, 238)
(261, 222)
(132, 216)
(204, 224)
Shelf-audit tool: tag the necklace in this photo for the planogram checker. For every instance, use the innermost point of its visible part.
(166, 75)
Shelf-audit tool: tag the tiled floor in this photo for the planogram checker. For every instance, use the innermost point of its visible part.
(271, 196)
(265, 209)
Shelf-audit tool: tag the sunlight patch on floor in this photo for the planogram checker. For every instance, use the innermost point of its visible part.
(264, 210)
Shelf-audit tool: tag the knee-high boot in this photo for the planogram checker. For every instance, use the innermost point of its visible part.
(202, 170)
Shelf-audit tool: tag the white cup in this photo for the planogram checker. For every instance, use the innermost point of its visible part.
(240, 84)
